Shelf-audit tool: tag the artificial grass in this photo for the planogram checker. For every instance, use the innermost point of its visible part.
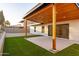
(72, 50)
(18, 46)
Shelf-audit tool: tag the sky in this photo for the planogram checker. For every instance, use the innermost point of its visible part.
(14, 12)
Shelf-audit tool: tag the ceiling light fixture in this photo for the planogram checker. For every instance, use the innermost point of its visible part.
(64, 17)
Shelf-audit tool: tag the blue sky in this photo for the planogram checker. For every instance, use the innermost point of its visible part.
(15, 11)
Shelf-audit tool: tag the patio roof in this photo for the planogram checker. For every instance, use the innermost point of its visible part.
(64, 12)
(52, 13)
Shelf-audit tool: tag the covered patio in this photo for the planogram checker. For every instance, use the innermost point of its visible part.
(52, 13)
(46, 42)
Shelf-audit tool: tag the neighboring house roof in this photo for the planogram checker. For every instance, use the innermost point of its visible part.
(30, 23)
(21, 21)
(13, 26)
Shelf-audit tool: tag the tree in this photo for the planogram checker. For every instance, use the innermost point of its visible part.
(7, 23)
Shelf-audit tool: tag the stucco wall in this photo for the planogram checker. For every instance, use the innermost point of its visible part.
(38, 30)
(73, 29)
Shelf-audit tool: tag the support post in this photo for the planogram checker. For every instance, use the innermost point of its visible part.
(25, 27)
(54, 26)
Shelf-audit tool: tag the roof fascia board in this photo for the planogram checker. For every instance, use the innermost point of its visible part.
(34, 8)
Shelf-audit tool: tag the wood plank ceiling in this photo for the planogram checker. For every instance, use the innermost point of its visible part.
(65, 12)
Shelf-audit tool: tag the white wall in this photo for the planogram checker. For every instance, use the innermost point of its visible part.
(73, 29)
(38, 30)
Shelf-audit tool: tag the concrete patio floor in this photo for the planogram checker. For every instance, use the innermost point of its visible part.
(46, 42)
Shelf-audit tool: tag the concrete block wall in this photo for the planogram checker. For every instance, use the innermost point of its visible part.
(2, 39)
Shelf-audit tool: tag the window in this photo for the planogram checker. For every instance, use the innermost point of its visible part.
(42, 29)
(34, 28)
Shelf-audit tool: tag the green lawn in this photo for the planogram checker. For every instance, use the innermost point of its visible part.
(18, 46)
